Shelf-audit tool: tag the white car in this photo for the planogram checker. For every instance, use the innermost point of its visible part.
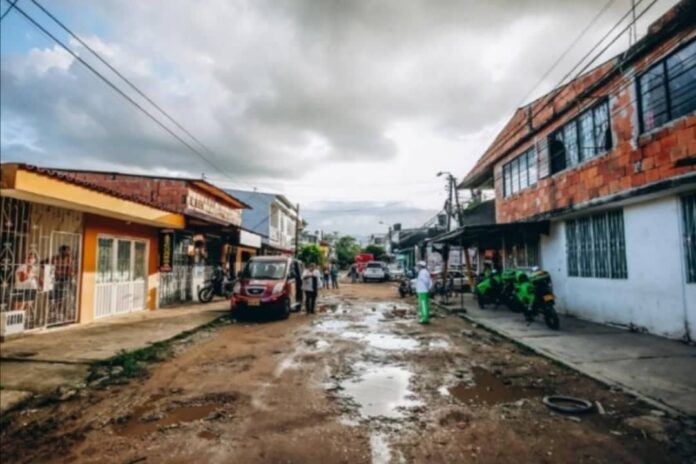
(374, 270)
(395, 272)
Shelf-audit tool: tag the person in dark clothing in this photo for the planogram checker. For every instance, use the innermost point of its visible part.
(334, 276)
(311, 279)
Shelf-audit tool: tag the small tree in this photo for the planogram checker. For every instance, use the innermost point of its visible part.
(377, 251)
(311, 253)
(346, 249)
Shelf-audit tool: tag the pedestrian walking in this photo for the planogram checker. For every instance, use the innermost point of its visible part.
(327, 276)
(334, 276)
(311, 281)
(353, 273)
(423, 285)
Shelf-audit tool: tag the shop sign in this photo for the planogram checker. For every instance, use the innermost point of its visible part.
(166, 251)
(211, 207)
(249, 239)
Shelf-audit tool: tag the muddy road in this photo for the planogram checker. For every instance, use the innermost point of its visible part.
(359, 382)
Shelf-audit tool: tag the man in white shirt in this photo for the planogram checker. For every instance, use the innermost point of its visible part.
(423, 285)
(311, 283)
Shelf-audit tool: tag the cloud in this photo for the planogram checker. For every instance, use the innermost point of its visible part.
(291, 93)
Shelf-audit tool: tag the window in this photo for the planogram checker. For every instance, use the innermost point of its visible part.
(668, 89)
(522, 253)
(520, 173)
(139, 266)
(123, 261)
(596, 246)
(689, 229)
(582, 138)
(105, 258)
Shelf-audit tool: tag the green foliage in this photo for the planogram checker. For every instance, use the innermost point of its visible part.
(346, 249)
(311, 254)
(377, 251)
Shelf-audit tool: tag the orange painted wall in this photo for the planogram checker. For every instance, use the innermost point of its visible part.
(94, 226)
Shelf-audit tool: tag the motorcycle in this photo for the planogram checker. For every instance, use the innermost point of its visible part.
(535, 296)
(488, 289)
(219, 284)
(508, 283)
(405, 288)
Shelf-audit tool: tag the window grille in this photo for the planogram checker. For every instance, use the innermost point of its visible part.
(595, 246)
(668, 89)
(688, 203)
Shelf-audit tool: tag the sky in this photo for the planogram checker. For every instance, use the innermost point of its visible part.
(349, 108)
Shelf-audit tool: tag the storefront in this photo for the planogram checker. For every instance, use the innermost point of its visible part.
(73, 251)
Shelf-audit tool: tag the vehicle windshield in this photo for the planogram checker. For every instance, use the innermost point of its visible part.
(265, 270)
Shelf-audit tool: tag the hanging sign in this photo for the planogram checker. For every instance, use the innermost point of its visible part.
(166, 251)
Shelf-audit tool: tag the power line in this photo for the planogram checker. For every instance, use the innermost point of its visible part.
(567, 50)
(114, 87)
(543, 105)
(9, 8)
(124, 78)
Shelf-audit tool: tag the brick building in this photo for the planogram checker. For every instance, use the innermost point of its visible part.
(212, 236)
(609, 161)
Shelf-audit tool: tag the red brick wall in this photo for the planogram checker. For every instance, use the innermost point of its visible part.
(613, 172)
(169, 193)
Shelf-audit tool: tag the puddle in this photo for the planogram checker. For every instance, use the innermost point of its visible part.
(486, 389)
(207, 435)
(438, 344)
(383, 341)
(332, 325)
(179, 414)
(381, 391)
(381, 452)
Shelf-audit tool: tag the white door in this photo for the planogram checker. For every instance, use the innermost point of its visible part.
(121, 276)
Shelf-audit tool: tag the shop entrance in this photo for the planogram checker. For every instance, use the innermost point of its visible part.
(121, 276)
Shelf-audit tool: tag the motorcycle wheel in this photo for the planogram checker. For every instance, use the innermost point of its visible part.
(205, 294)
(479, 300)
(551, 318)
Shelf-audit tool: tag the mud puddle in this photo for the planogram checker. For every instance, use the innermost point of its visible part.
(381, 391)
(486, 388)
(148, 418)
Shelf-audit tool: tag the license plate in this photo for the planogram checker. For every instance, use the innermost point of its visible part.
(254, 302)
(548, 298)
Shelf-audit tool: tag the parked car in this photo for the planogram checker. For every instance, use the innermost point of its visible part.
(374, 270)
(268, 284)
(395, 272)
(459, 280)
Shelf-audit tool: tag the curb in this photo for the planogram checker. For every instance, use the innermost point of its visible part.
(570, 365)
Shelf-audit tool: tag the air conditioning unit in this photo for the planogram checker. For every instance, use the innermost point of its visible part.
(11, 323)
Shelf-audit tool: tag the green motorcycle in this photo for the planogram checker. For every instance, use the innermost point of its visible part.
(534, 295)
(488, 288)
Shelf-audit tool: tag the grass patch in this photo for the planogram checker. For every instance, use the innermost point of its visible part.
(132, 364)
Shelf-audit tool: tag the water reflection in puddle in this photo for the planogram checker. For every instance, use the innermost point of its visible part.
(487, 389)
(381, 391)
(381, 452)
(383, 341)
(438, 344)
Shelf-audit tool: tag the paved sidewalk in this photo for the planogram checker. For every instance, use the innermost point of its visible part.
(42, 361)
(656, 369)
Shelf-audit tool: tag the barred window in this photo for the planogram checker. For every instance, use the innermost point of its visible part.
(520, 173)
(688, 203)
(522, 252)
(668, 89)
(596, 246)
(582, 138)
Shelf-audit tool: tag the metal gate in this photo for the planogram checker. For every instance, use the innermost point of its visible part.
(177, 286)
(40, 256)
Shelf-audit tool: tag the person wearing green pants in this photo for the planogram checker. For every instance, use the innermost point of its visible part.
(423, 285)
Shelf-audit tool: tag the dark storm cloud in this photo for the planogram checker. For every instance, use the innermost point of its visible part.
(277, 88)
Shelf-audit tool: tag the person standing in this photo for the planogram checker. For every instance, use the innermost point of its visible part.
(326, 277)
(423, 285)
(310, 283)
(334, 276)
(353, 273)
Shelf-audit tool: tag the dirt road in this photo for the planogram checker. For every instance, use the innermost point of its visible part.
(358, 382)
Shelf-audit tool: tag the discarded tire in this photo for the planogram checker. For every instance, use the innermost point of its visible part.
(568, 404)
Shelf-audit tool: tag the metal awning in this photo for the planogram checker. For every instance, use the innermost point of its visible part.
(487, 233)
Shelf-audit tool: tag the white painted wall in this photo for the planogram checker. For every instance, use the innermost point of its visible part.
(654, 296)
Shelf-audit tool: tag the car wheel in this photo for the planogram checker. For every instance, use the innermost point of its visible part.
(286, 309)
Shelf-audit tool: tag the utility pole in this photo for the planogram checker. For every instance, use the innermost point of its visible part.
(297, 232)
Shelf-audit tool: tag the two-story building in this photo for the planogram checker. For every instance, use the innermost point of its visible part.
(212, 236)
(608, 163)
(273, 217)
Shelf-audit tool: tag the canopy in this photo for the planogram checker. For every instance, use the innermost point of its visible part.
(486, 233)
